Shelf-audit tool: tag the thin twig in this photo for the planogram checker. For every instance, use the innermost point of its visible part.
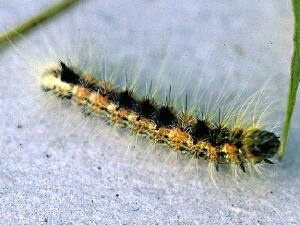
(35, 20)
(294, 79)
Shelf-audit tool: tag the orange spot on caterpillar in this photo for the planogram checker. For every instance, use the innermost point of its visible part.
(143, 126)
(178, 139)
(231, 153)
(161, 135)
(98, 102)
(80, 94)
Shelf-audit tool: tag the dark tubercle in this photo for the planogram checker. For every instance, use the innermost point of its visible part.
(127, 101)
(146, 108)
(68, 75)
(112, 96)
(165, 117)
(200, 130)
(218, 136)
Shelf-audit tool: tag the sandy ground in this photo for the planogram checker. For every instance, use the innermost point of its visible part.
(57, 167)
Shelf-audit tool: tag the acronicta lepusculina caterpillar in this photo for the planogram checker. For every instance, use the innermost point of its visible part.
(196, 135)
(186, 123)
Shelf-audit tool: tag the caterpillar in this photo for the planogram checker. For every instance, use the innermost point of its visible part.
(162, 123)
(76, 162)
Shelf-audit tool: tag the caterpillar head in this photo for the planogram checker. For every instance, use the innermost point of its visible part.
(259, 144)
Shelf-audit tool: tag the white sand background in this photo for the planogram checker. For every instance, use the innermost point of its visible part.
(57, 167)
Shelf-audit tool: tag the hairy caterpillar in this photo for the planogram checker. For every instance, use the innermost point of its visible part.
(220, 141)
(68, 187)
(194, 134)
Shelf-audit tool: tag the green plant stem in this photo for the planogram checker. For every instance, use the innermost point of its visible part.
(294, 79)
(32, 22)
